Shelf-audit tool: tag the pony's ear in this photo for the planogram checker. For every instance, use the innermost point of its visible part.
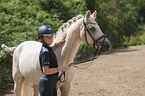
(94, 14)
(88, 13)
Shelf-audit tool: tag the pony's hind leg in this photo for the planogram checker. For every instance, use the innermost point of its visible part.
(18, 85)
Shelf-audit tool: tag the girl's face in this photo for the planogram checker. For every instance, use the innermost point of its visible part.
(48, 39)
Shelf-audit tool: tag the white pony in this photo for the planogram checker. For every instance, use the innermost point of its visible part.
(26, 68)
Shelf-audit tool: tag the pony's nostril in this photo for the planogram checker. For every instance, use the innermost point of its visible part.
(106, 47)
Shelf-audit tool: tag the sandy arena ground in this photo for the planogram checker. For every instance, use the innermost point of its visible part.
(120, 73)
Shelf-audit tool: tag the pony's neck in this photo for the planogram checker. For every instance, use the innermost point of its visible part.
(72, 43)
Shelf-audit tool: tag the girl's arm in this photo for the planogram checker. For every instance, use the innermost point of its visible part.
(48, 71)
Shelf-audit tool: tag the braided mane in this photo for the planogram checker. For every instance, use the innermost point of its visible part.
(61, 31)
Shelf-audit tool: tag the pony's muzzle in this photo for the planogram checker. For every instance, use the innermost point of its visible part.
(105, 46)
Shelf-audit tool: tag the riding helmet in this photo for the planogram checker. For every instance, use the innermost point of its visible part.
(45, 30)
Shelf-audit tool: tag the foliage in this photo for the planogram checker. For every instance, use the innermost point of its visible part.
(62, 10)
(56, 8)
(117, 18)
(85, 51)
(20, 21)
(140, 8)
(5, 68)
(135, 40)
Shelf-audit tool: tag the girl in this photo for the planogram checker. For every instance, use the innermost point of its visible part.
(48, 63)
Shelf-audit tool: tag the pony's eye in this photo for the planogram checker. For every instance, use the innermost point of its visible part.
(92, 29)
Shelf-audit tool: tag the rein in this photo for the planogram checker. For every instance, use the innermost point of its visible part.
(99, 47)
(96, 55)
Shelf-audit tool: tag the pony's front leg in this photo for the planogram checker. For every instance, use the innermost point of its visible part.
(36, 92)
(65, 89)
(66, 86)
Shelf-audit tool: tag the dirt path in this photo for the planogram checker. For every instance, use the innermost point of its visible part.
(120, 73)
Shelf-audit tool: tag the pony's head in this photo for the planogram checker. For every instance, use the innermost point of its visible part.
(92, 34)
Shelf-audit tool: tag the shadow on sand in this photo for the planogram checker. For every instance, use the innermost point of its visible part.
(122, 50)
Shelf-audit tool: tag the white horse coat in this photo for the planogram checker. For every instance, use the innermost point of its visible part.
(26, 68)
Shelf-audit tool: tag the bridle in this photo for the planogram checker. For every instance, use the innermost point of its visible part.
(97, 52)
(87, 31)
(98, 49)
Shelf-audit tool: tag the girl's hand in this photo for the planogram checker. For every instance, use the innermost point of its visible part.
(64, 68)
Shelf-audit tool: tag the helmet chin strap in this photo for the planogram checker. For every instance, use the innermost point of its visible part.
(44, 42)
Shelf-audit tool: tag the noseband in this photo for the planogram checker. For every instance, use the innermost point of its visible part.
(95, 41)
